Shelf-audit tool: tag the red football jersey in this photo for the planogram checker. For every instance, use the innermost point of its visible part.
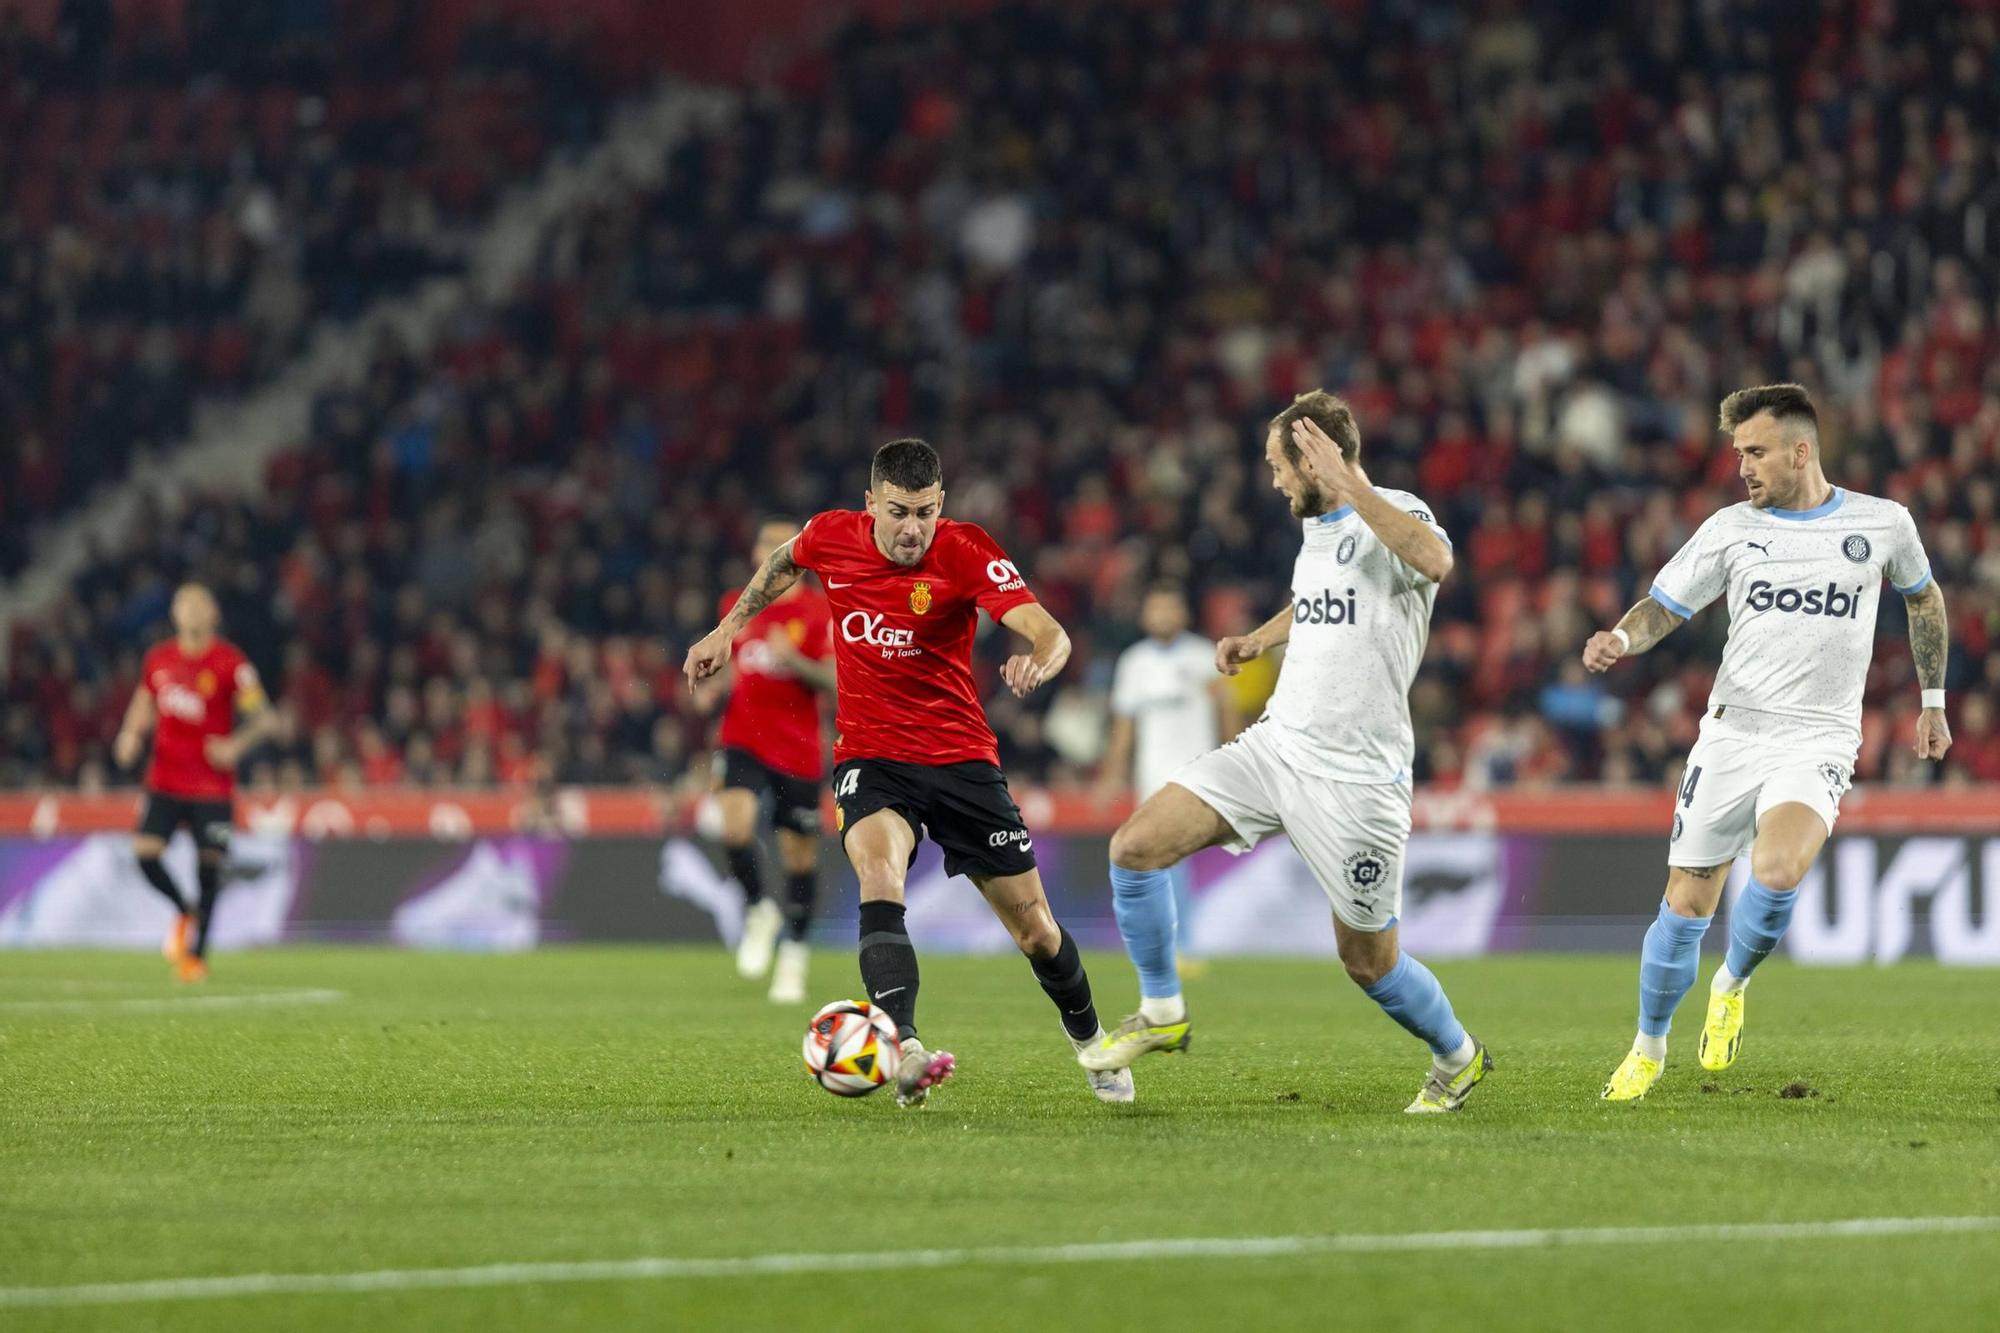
(903, 641)
(195, 697)
(772, 714)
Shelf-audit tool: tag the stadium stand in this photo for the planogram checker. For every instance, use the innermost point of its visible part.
(1089, 253)
(188, 190)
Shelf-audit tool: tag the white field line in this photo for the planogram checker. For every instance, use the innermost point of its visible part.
(176, 1002)
(760, 1265)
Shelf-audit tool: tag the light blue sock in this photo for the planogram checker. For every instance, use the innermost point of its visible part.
(1183, 880)
(1668, 962)
(1756, 924)
(1411, 995)
(1144, 903)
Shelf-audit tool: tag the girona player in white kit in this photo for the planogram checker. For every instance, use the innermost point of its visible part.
(1329, 762)
(1802, 563)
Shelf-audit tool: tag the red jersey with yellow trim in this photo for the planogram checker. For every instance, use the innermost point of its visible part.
(196, 698)
(903, 637)
(773, 714)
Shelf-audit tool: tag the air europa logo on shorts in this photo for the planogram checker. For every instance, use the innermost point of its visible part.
(866, 627)
(1814, 602)
(1323, 608)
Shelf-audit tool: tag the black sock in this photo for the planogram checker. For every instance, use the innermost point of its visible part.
(743, 866)
(210, 875)
(800, 890)
(157, 876)
(1064, 979)
(889, 964)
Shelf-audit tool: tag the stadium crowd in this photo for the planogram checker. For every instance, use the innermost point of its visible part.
(187, 188)
(1088, 250)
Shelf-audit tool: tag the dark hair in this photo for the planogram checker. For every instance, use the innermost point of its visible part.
(1324, 410)
(909, 464)
(1785, 403)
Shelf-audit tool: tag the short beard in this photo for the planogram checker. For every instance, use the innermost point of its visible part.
(1772, 498)
(1309, 503)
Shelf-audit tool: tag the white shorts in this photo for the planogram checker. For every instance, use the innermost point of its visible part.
(1350, 835)
(1730, 781)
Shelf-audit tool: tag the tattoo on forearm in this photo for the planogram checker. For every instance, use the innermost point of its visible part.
(1647, 623)
(1930, 638)
(765, 586)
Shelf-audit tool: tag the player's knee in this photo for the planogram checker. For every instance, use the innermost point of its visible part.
(1778, 871)
(1367, 968)
(1039, 936)
(1134, 847)
(881, 879)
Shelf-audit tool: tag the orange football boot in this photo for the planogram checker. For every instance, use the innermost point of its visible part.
(175, 946)
(190, 968)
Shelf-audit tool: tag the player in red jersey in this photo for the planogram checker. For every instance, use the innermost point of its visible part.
(193, 686)
(914, 755)
(769, 747)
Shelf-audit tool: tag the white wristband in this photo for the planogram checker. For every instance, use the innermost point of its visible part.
(1934, 698)
(1624, 639)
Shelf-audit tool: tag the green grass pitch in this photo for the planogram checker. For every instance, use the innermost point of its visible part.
(612, 1104)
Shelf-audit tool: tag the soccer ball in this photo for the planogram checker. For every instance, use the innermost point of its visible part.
(851, 1048)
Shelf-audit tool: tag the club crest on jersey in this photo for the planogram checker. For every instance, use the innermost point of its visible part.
(1678, 829)
(205, 683)
(1365, 869)
(1345, 551)
(920, 598)
(1856, 548)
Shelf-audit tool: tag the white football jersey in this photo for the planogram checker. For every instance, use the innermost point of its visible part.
(1360, 618)
(1803, 590)
(1166, 689)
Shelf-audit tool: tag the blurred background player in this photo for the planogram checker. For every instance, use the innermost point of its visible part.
(193, 688)
(1329, 762)
(1169, 705)
(1802, 561)
(770, 750)
(915, 755)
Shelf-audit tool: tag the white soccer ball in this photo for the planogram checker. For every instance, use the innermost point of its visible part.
(851, 1048)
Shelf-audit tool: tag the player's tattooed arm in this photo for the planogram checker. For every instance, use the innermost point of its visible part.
(1930, 645)
(1047, 653)
(1930, 640)
(1234, 651)
(1645, 625)
(766, 586)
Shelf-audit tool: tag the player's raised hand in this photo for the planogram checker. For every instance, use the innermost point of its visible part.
(1603, 649)
(1022, 674)
(707, 657)
(1933, 734)
(1323, 462)
(1234, 651)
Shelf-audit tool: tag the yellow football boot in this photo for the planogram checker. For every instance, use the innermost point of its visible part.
(1634, 1078)
(1722, 1034)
